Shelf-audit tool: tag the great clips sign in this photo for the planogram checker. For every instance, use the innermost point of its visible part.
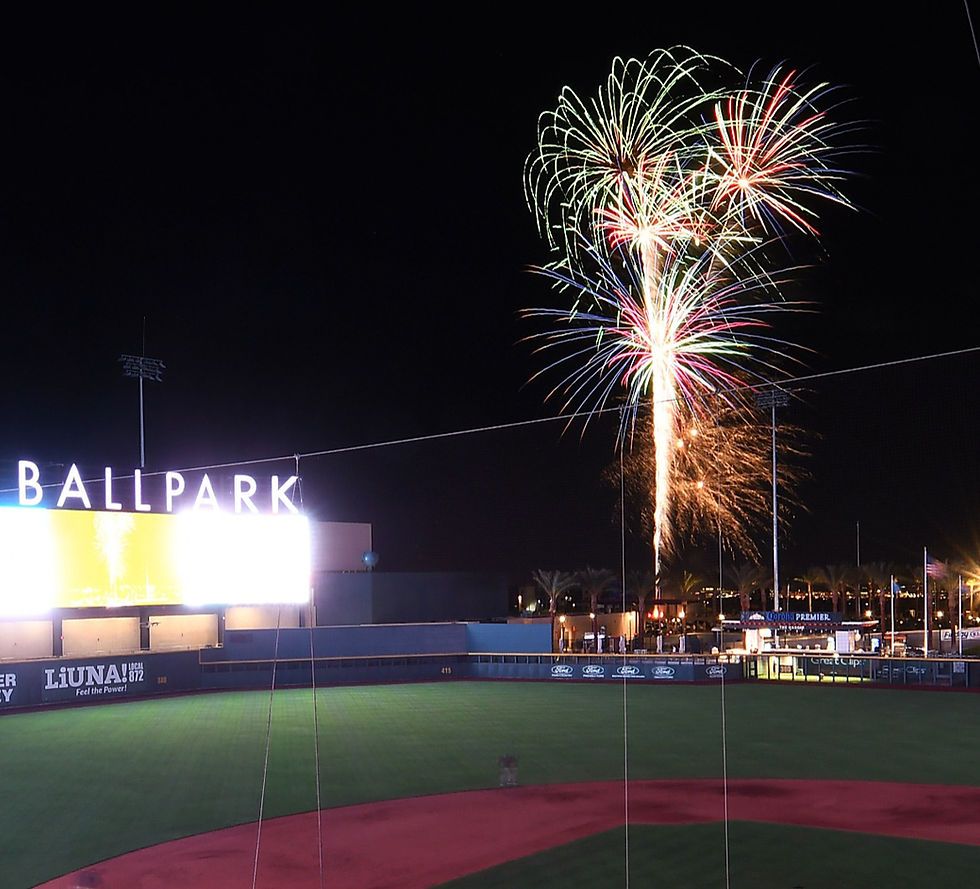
(155, 492)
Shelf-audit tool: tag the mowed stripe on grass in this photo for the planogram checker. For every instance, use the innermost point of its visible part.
(761, 856)
(86, 784)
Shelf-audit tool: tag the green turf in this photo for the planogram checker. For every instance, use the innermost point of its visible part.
(761, 856)
(80, 785)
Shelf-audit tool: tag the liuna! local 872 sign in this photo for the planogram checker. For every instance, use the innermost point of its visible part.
(102, 679)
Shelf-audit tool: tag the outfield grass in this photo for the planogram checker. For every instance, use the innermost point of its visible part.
(80, 785)
(761, 856)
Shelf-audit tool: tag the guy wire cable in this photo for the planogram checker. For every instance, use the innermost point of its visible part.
(316, 723)
(626, 766)
(724, 775)
(973, 33)
(268, 744)
(784, 384)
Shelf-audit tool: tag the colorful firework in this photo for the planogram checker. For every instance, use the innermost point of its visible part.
(720, 476)
(662, 195)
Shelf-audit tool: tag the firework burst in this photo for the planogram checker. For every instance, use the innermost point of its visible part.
(662, 195)
(720, 475)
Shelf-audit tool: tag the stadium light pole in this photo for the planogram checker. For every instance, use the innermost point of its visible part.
(772, 398)
(142, 368)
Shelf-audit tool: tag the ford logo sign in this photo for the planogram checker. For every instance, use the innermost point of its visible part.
(562, 670)
(628, 670)
(715, 672)
(593, 670)
(663, 673)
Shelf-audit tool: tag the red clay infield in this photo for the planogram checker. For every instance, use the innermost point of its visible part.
(418, 842)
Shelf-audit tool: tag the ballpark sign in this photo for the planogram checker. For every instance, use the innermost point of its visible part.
(74, 491)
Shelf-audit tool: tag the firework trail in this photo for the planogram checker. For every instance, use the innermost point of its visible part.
(663, 196)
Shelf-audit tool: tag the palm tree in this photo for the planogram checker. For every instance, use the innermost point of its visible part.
(594, 582)
(835, 577)
(553, 584)
(689, 585)
(879, 576)
(956, 572)
(810, 577)
(643, 588)
(745, 578)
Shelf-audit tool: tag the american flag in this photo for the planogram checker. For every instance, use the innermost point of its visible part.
(935, 568)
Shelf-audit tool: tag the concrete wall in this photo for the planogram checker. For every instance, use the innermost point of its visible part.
(25, 639)
(366, 641)
(381, 597)
(260, 617)
(100, 635)
(456, 596)
(344, 598)
(178, 632)
(338, 546)
(509, 638)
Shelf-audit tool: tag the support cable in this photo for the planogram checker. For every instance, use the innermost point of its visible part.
(724, 778)
(268, 745)
(626, 765)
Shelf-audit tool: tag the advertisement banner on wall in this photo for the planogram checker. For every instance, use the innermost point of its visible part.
(103, 679)
(9, 696)
(968, 634)
(923, 672)
(660, 670)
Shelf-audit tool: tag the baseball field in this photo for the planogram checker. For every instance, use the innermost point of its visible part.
(828, 787)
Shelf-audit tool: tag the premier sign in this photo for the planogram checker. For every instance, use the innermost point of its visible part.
(74, 491)
(804, 618)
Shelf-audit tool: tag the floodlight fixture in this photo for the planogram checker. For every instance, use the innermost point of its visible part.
(142, 368)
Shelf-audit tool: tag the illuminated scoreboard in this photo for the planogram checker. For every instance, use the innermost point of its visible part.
(62, 558)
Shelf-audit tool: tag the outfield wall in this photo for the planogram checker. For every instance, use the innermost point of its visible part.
(356, 641)
(424, 653)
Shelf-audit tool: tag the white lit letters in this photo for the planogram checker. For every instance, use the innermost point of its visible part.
(201, 495)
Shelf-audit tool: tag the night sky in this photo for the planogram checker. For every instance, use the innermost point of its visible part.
(324, 225)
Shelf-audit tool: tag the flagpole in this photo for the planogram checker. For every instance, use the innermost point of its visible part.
(891, 586)
(925, 601)
(959, 613)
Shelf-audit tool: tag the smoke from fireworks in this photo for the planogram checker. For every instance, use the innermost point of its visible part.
(663, 196)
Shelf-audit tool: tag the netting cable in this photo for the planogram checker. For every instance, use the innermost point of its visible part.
(973, 33)
(785, 384)
(724, 775)
(316, 750)
(268, 745)
(316, 719)
(626, 764)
